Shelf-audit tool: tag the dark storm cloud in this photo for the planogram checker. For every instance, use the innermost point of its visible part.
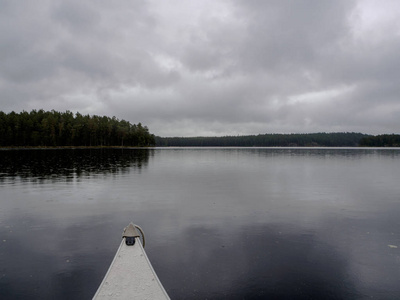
(206, 67)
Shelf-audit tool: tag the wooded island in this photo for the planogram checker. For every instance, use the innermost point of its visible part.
(57, 129)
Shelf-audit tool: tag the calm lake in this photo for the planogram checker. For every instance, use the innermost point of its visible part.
(220, 223)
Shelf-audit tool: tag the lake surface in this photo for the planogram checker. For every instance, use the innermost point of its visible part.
(220, 223)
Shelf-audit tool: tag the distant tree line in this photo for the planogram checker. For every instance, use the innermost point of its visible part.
(384, 140)
(52, 128)
(338, 139)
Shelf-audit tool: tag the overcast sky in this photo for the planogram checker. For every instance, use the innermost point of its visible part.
(207, 67)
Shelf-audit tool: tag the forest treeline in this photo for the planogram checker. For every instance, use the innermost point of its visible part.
(338, 139)
(53, 128)
(383, 140)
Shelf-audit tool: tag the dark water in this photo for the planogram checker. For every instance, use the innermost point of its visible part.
(220, 223)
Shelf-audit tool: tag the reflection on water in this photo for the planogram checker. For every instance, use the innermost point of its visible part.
(220, 223)
(56, 163)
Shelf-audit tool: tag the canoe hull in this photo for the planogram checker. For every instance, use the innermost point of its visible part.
(131, 276)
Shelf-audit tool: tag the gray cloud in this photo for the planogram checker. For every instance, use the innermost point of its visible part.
(207, 67)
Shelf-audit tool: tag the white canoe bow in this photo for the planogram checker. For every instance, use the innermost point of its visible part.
(131, 275)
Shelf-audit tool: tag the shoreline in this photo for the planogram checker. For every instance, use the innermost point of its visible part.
(171, 147)
(69, 147)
